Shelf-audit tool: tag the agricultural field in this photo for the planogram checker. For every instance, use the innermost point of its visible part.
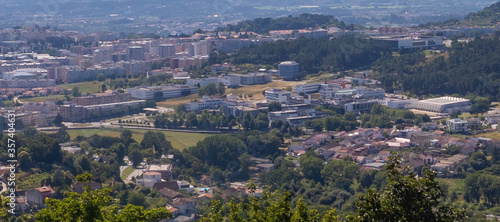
(179, 140)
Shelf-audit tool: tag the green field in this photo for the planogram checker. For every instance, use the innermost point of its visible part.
(492, 135)
(84, 87)
(456, 185)
(42, 98)
(179, 140)
(127, 171)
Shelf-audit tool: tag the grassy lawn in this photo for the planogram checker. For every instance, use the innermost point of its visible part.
(127, 171)
(42, 98)
(256, 90)
(84, 87)
(179, 140)
(491, 135)
(171, 103)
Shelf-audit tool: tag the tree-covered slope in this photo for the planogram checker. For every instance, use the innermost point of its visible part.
(264, 25)
(488, 16)
(472, 67)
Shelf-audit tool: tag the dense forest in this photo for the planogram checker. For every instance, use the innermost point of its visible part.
(313, 55)
(306, 20)
(472, 67)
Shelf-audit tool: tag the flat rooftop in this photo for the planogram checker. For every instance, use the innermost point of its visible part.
(444, 100)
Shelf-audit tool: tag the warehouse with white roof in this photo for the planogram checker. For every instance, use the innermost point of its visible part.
(446, 104)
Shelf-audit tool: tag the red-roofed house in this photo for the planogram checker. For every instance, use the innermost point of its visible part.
(38, 195)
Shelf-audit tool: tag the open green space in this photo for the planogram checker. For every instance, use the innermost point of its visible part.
(84, 87)
(179, 140)
(126, 172)
(41, 98)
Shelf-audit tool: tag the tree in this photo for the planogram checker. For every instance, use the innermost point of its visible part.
(75, 91)
(103, 87)
(311, 165)
(101, 77)
(96, 206)
(126, 134)
(24, 160)
(405, 198)
(58, 120)
(221, 88)
(29, 131)
(62, 135)
(135, 156)
(274, 106)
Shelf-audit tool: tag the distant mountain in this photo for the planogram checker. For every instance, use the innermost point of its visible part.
(488, 16)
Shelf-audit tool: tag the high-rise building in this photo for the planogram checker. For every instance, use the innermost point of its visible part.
(166, 51)
(289, 70)
(135, 53)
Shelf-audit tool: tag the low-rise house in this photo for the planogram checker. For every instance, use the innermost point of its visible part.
(185, 205)
(80, 187)
(170, 194)
(184, 185)
(38, 195)
(169, 184)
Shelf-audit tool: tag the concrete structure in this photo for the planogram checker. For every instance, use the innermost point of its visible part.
(307, 88)
(457, 125)
(398, 103)
(76, 113)
(254, 78)
(278, 95)
(410, 42)
(150, 178)
(28, 84)
(38, 195)
(164, 169)
(77, 74)
(204, 103)
(166, 51)
(202, 82)
(239, 111)
(289, 70)
(360, 107)
(230, 81)
(445, 104)
(101, 98)
(161, 92)
(135, 53)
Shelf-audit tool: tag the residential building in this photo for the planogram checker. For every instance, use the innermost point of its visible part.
(38, 195)
(149, 179)
(101, 98)
(135, 53)
(166, 51)
(164, 169)
(76, 113)
(457, 125)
